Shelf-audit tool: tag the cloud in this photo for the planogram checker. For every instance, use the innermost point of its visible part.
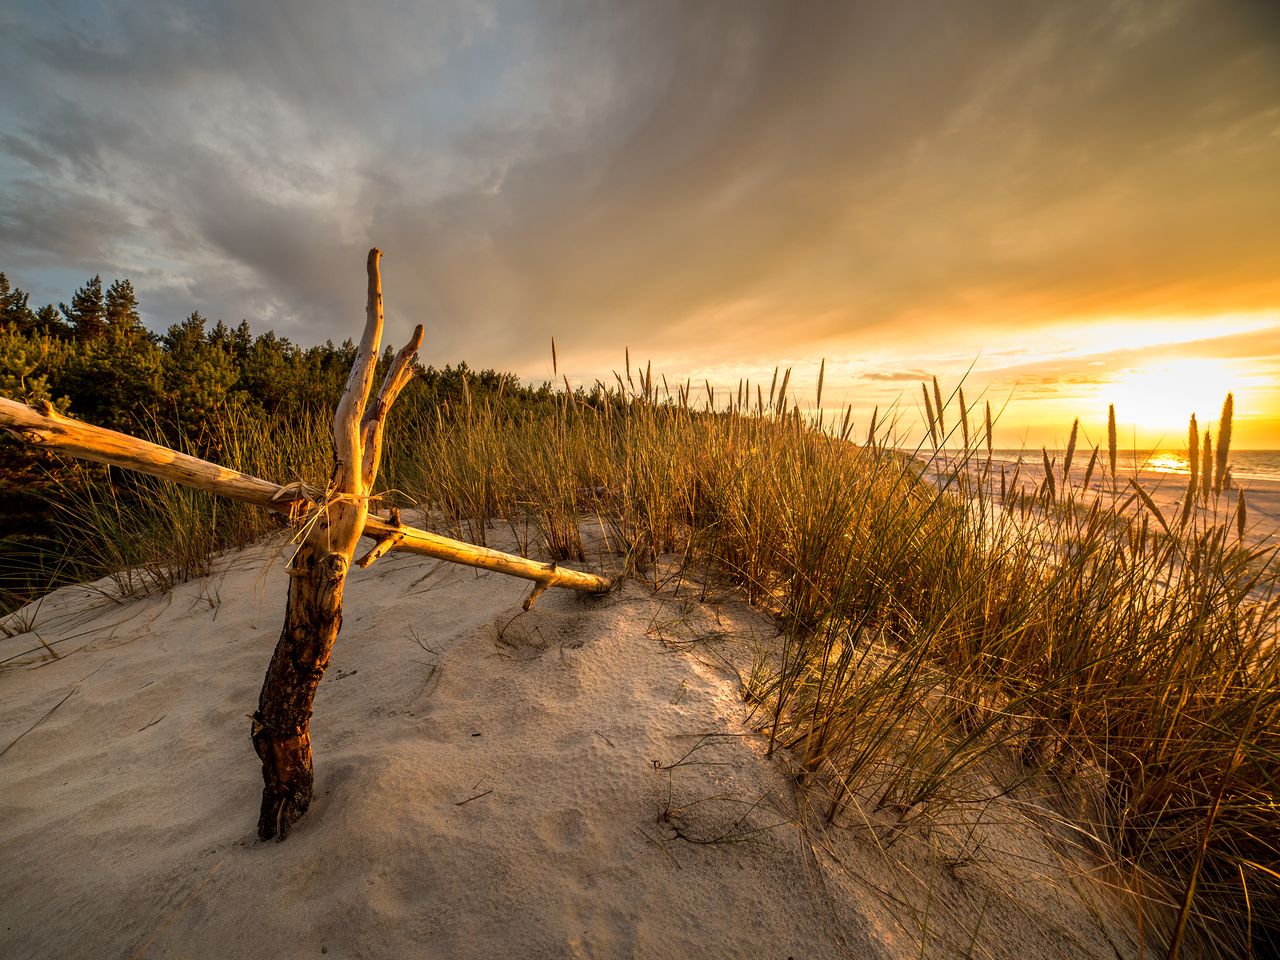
(894, 376)
(73, 229)
(724, 180)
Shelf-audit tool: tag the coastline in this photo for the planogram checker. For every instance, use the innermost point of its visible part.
(1166, 488)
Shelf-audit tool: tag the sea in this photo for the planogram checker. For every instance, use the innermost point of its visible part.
(1245, 464)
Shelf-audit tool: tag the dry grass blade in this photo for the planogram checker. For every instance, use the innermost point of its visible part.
(1149, 503)
(50, 711)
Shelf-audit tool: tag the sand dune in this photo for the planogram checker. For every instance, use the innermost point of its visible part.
(488, 785)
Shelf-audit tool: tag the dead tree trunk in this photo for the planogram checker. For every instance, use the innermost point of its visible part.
(318, 573)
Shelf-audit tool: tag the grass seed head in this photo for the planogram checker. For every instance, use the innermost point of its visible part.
(1206, 466)
(1071, 451)
(1224, 444)
(1111, 438)
(930, 416)
(1048, 474)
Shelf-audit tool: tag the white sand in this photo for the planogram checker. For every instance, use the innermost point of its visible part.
(476, 795)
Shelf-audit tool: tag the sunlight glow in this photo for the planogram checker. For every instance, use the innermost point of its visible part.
(1164, 395)
(1085, 336)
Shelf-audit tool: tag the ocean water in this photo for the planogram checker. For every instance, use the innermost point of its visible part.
(1245, 464)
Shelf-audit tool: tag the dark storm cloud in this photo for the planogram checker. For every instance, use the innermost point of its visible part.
(694, 180)
(76, 230)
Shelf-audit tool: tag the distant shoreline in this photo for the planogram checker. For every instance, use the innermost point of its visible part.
(1165, 485)
(1247, 466)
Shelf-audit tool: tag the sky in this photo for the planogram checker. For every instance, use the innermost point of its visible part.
(1061, 205)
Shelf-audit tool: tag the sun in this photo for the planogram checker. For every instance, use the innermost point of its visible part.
(1162, 397)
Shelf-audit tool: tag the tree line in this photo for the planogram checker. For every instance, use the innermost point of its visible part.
(93, 358)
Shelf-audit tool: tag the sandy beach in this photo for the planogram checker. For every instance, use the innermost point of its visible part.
(557, 480)
(578, 781)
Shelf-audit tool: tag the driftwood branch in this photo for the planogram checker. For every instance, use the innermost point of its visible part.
(338, 518)
(41, 426)
(397, 377)
(346, 419)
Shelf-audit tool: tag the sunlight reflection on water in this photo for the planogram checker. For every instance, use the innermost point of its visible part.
(1166, 461)
(1245, 464)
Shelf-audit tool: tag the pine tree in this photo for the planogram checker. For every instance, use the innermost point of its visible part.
(242, 342)
(198, 376)
(122, 318)
(14, 312)
(49, 322)
(220, 336)
(114, 383)
(87, 313)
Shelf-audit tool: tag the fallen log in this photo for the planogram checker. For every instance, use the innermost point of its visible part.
(42, 426)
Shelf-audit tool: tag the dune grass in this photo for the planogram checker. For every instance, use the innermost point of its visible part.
(145, 534)
(940, 622)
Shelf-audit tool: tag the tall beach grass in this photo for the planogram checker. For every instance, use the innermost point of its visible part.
(940, 622)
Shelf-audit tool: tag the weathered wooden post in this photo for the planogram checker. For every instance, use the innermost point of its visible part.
(318, 573)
